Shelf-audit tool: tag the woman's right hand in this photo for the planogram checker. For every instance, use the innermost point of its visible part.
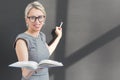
(26, 73)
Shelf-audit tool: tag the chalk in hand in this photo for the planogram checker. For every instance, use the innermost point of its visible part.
(61, 24)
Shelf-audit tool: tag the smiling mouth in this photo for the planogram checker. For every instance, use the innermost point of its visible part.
(37, 26)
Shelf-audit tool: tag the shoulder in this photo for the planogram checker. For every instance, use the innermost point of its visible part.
(21, 35)
(21, 39)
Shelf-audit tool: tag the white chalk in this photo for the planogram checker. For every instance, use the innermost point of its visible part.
(61, 24)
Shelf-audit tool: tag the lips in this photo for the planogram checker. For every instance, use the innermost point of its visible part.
(36, 26)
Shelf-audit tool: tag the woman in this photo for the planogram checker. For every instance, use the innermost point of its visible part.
(31, 45)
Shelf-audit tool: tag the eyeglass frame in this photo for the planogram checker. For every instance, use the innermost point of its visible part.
(35, 18)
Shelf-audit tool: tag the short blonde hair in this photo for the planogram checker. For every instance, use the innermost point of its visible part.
(36, 5)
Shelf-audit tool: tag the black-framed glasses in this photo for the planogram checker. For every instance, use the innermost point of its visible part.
(34, 18)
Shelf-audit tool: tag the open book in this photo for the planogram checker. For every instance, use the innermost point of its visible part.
(34, 65)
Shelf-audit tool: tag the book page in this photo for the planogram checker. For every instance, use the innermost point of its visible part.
(49, 63)
(25, 64)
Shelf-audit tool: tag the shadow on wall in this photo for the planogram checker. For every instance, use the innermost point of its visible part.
(93, 46)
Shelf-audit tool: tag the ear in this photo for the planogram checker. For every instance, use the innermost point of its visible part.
(26, 20)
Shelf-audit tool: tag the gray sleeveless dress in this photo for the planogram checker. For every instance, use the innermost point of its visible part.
(37, 51)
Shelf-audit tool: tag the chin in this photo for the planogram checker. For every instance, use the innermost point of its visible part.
(37, 30)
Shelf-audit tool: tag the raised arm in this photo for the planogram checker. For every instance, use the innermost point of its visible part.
(53, 45)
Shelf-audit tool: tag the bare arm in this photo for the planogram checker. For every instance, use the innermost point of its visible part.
(54, 44)
(22, 55)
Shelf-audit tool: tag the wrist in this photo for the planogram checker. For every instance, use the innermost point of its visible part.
(59, 37)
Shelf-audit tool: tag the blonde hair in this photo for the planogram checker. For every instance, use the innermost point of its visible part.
(36, 5)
